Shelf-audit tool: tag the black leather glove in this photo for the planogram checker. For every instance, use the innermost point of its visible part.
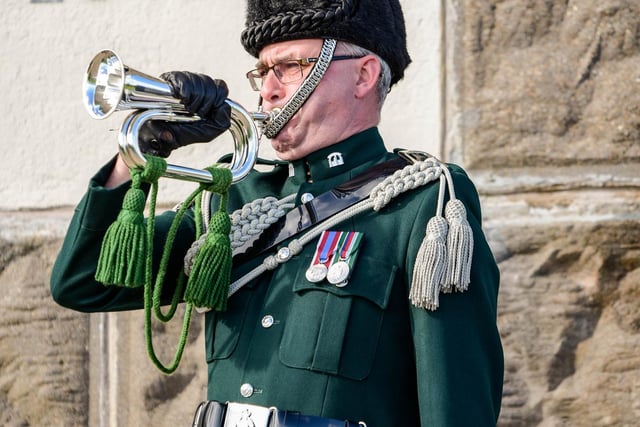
(201, 95)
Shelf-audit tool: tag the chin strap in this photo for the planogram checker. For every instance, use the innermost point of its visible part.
(275, 125)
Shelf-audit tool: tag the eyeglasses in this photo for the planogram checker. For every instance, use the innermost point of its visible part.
(287, 72)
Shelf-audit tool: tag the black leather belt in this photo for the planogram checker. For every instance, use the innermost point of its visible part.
(216, 414)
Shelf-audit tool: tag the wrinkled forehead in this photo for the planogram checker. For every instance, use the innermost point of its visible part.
(292, 49)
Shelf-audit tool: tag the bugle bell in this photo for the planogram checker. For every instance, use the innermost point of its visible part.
(110, 85)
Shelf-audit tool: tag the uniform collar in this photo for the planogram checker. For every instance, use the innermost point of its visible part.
(338, 158)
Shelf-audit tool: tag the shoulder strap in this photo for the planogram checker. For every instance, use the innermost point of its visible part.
(413, 156)
(319, 208)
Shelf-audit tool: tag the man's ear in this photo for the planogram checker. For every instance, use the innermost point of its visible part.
(369, 73)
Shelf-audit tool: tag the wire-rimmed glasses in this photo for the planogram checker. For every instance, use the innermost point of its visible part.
(288, 71)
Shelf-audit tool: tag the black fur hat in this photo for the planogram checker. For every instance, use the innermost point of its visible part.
(376, 25)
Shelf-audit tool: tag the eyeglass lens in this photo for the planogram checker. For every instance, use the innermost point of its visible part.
(287, 71)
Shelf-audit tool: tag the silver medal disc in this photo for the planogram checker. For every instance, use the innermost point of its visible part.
(316, 273)
(338, 273)
(342, 285)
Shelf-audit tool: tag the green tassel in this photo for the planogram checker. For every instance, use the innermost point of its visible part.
(124, 248)
(210, 275)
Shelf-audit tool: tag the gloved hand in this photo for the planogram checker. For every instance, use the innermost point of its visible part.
(201, 95)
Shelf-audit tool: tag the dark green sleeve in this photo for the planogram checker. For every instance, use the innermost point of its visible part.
(72, 279)
(459, 358)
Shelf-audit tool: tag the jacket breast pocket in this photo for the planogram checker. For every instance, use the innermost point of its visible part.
(224, 329)
(334, 329)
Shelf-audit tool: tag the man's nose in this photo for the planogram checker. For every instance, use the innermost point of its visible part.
(272, 90)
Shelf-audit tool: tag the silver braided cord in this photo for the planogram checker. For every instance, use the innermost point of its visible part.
(255, 217)
(275, 125)
(408, 178)
(296, 245)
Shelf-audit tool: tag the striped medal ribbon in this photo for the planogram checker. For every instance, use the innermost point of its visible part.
(325, 251)
(342, 266)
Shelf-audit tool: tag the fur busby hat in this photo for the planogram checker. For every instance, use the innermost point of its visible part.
(376, 25)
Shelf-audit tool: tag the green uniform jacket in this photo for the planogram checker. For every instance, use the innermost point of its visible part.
(359, 352)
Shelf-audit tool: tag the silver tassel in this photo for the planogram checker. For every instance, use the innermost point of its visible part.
(430, 266)
(459, 248)
(431, 260)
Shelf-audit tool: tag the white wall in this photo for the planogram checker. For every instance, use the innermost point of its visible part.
(51, 146)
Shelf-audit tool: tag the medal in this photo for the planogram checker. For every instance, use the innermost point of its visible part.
(340, 270)
(316, 273)
(327, 244)
(338, 273)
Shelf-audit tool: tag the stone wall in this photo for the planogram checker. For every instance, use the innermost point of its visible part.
(545, 113)
(542, 108)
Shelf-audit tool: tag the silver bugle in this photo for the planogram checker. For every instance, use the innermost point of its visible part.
(109, 85)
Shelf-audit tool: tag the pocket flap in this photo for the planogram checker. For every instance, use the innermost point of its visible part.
(371, 279)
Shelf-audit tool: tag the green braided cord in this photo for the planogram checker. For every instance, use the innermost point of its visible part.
(198, 216)
(154, 168)
(149, 339)
(150, 301)
(210, 277)
(153, 293)
(221, 179)
(164, 261)
(152, 296)
(124, 248)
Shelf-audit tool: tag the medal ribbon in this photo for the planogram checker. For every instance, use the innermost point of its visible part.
(353, 249)
(346, 246)
(321, 243)
(341, 266)
(326, 247)
(350, 247)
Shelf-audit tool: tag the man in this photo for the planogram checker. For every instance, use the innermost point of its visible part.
(374, 342)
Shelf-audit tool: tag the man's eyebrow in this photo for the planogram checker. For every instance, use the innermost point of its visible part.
(278, 60)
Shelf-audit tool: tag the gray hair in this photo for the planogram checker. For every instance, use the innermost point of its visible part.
(384, 81)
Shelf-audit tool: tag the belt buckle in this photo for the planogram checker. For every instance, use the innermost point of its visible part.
(245, 415)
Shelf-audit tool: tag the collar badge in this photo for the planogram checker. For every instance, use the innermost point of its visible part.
(335, 159)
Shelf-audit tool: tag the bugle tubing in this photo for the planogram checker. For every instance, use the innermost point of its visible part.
(109, 85)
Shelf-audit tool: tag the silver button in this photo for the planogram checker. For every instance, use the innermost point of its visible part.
(306, 197)
(284, 254)
(267, 321)
(246, 390)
